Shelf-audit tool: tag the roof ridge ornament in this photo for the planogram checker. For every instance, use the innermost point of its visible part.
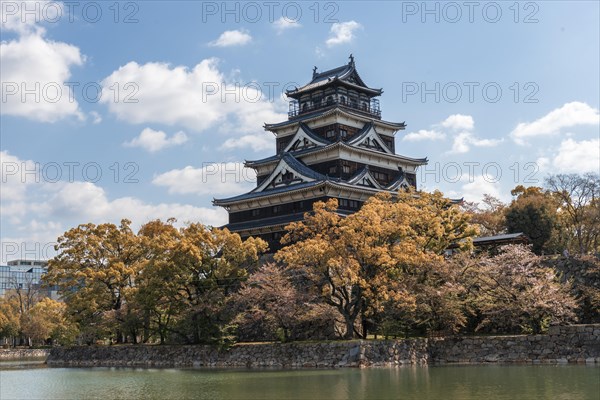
(314, 71)
(351, 63)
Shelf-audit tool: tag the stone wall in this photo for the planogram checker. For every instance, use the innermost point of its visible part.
(275, 355)
(562, 344)
(577, 343)
(18, 354)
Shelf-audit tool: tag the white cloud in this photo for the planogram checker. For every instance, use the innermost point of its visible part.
(196, 99)
(461, 143)
(153, 141)
(485, 142)
(461, 127)
(464, 140)
(14, 185)
(35, 212)
(477, 186)
(86, 201)
(24, 17)
(232, 38)
(342, 32)
(423, 134)
(458, 122)
(569, 115)
(573, 157)
(212, 179)
(96, 117)
(35, 64)
(463, 137)
(284, 24)
(258, 142)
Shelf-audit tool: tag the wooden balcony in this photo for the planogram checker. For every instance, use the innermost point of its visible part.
(370, 108)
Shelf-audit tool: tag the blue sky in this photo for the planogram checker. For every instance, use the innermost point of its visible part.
(495, 94)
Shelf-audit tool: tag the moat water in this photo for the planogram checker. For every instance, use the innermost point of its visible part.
(33, 380)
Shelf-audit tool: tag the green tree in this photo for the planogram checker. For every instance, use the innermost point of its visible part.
(187, 277)
(533, 212)
(159, 298)
(214, 263)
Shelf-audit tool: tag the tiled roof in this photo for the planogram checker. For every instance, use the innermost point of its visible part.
(265, 222)
(341, 73)
(313, 135)
(300, 153)
(330, 110)
(507, 236)
(300, 167)
(277, 190)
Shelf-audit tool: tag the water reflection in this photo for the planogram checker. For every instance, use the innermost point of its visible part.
(572, 382)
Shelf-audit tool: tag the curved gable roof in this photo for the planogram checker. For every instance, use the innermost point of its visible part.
(346, 74)
(287, 163)
(368, 132)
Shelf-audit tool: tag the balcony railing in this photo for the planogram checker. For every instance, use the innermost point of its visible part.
(370, 108)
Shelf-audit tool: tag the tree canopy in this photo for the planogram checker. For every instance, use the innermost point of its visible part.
(361, 263)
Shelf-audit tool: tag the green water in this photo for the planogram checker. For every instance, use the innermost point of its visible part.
(565, 382)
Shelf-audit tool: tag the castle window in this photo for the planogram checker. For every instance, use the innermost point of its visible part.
(380, 176)
(330, 134)
(256, 212)
(276, 209)
(298, 206)
(333, 169)
(343, 133)
(288, 176)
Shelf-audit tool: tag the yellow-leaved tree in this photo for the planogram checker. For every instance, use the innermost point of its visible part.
(188, 274)
(95, 269)
(379, 259)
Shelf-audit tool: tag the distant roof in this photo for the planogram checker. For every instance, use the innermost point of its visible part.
(499, 239)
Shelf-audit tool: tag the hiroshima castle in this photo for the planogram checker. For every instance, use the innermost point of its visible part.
(334, 144)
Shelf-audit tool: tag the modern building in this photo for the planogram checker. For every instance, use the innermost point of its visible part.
(333, 145)
(25, 275)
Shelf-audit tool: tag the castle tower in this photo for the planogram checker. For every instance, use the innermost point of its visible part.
(333, 145)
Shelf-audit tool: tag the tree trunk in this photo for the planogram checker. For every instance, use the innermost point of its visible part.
(349, 327)
(364, 328)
